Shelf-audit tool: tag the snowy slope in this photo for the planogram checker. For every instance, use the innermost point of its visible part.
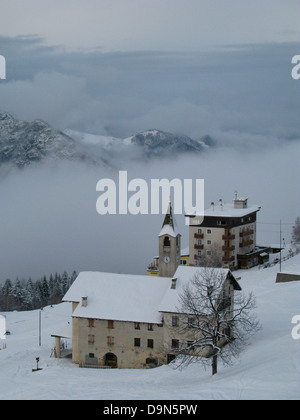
(268, 369)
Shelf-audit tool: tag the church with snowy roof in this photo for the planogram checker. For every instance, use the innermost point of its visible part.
(134, 321)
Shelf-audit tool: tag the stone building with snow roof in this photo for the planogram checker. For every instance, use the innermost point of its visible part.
(130, 321)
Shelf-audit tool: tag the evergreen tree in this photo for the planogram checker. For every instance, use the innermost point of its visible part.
(31, 294)
(51, 288)
(45, 291)
(6, 294)
(65, 282)
(17, 293)
(28, 295)
(296, 232)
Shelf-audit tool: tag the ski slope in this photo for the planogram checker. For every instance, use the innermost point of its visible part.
(268, 369)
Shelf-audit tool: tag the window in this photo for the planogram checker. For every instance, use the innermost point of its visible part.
(199, 242)
(208, 242)
(137, 326)
(175, 321)
(110, 324)
(209, 231)
(151, 361)
(110, 340)
(191, 322)
(190, 345)
(175, 344)
(91, 339)
(150, 343)
(167, 241)
(199, 231)
(150, 327)
(208, 252)
(91, 322)
(137, 342)
(199, 253)
(91, 355)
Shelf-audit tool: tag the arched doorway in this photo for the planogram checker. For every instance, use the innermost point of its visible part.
(111, 360)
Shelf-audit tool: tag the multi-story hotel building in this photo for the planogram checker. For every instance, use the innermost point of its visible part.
(225, 235)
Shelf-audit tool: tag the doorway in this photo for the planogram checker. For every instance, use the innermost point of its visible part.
(111, 360)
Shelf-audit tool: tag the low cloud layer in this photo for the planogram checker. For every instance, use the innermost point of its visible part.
(49, 220)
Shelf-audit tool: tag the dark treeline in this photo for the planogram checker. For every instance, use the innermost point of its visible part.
(24, 295)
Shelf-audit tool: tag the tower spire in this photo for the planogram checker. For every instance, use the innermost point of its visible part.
(168, 220)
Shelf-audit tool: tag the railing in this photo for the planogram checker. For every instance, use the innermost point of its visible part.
(197, 246)
(228, 237)
(246, 243)
(227, 259)
(198, 235)
(228, 248)
(246, 233)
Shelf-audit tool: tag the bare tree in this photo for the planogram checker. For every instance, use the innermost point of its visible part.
(218, 319)
(296, 232)
(211, 258)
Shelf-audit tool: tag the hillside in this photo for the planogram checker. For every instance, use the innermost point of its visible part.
(24, 143)
(268, 369)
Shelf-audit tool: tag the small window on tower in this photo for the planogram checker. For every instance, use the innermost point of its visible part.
(167, 241)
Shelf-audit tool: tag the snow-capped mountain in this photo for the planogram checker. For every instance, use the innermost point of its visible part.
(23, 143)
(159, 143)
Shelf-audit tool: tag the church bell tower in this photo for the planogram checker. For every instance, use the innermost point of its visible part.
(169, 246)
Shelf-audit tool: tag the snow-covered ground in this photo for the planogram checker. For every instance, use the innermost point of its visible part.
(268, 369)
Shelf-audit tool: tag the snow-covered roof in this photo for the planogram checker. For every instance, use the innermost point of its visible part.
(168, 230)
(228, 210)
(185, 251)
(183, 275)
(65, 332)
(120, 297)
(126, 297)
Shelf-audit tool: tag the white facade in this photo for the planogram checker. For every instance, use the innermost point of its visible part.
(225, 233)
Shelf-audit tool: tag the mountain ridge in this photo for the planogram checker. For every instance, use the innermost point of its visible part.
(23, 143)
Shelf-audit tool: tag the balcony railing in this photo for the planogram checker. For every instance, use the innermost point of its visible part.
(246, 242)
(228, 237)
(227, 259)
(198, 246)
(228, 248)
(246, 233)
(198, 235)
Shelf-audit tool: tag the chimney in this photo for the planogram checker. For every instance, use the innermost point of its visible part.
(221, 204)
(173, 285)
(84, 301)
(212, 206)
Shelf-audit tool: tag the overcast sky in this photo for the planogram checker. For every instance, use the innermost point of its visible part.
(176, 25)
(117, 67)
